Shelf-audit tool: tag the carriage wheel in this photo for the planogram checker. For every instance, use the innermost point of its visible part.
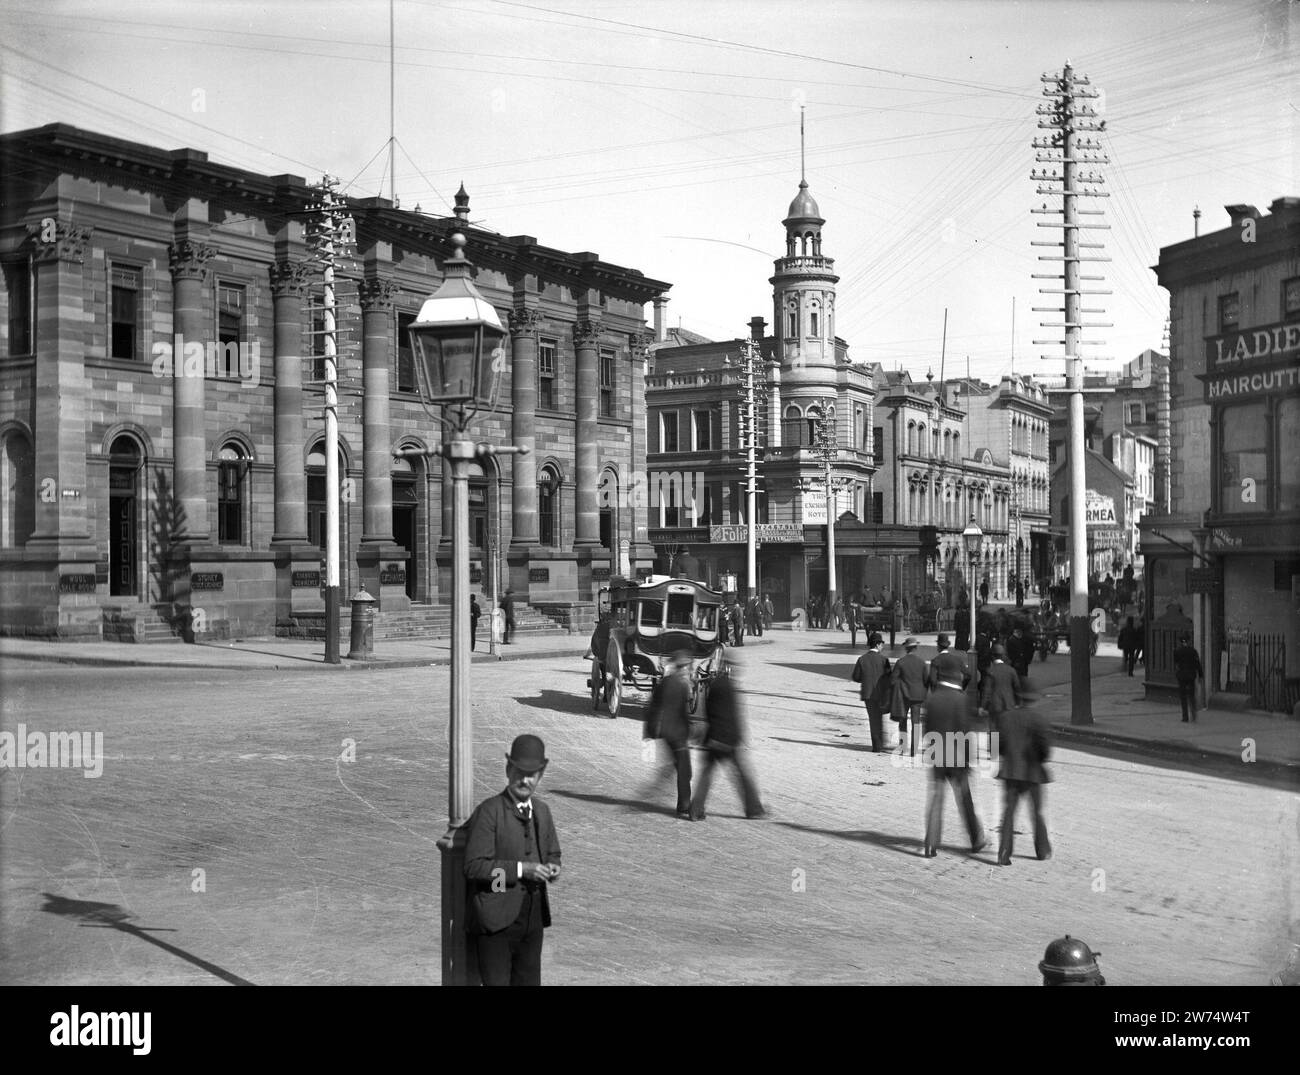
(613, 678)
(597, 682)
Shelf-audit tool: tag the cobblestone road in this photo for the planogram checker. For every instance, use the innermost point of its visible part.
(319, 870)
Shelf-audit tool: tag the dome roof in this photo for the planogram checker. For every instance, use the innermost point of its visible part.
(804, 207)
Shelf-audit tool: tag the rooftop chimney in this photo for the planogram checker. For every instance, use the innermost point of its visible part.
(661, 302)
(757, 329)
(1238, 213)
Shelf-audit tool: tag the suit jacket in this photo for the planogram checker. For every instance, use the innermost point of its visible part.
(674, 709)
(1024, 743)
(722, 710)
(947, 714)
(1001, 690)
(496, 843)
(950, 666)
(909, 674)
(872, 672)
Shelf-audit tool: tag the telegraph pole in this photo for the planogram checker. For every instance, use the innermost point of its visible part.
(1068, 114)
(750, 372)
(325, 238)
(828, 451)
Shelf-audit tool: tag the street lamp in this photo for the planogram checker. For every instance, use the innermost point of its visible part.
(973, 537)
(459, 361)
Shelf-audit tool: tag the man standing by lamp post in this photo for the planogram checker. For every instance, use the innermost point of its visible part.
(459, 361)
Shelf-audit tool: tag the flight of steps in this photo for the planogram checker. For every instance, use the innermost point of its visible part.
(138, 623)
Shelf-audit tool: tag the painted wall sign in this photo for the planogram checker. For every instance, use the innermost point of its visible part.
(539, 574)
(738, 533)
(392, 575)
(303, 580)
(207, 580)
(1251, 347)
(80, 583)
(1099, 510)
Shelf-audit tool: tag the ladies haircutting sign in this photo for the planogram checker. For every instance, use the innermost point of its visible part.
(1252, 362)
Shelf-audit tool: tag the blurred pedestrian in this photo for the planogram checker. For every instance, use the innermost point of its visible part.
(511, 856)
(1187, 670)
(853, 614)
(474, 612)
(1024, 744)
(871, 672)
(725, 743)
(669, 719)
(1129, 644)
(907, 687)
(769, 612)
(946, 664)
(737, 623)
(508, 609)
(949, 736)
(1020, 651)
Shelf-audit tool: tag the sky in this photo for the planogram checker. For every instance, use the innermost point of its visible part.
(664, 135)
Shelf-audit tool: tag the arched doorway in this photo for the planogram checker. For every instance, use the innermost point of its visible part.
(317, 513)
(123, 517)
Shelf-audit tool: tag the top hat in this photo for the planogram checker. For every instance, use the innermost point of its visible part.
(910, 643)
(527, 754)
(943, 641)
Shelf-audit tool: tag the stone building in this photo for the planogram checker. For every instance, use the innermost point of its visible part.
(1227, 552)
(160, 403)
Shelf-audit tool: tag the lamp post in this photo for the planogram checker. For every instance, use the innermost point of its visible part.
(973, 537)
(459, 361)
(828, 451)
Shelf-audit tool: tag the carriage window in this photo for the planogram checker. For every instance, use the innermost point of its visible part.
(706, 618)
(680, 609)
(652, 613)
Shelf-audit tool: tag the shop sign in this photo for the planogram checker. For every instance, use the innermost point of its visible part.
(1253, 347)
(1202, 580)
(738, 533)
(1099, 510)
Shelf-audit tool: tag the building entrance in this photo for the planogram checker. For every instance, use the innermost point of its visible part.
(123, 480)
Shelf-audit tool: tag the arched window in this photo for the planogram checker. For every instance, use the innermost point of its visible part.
(920, 438)
(956, 446)
(812, 420)
(17, 490)
(947, 444)
(792, 428)
(548, 504)
(814, 319)
(232, 471)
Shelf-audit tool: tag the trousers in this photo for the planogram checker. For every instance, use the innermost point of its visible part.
(876, 721)
(513, 956)
(960, 781)
(682, 763)
(1187, 697)
(717, 754)
(1012, 792)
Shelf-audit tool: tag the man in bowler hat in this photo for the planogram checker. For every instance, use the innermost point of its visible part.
(511, 857)
(907, 684)
(872, 673)
(1024, 743)
(948, 731)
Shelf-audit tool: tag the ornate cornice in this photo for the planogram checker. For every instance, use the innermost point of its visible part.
(68, 243)
(376, 293)
(587, 333)
(188, 259)
(524, 321)
(289, 278)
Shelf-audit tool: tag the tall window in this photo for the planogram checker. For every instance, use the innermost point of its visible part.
(546, 394)
(606, 382)
(1243, 458)
(18, 285)
(406, 381)
(877, 508)
(878, 444)
(548, 498)
(1229, 312)
(812, 420)
(232, 466)
(1290, 298)
(17, 490)
(792, 428)
(703, 431)
(316, 314)
(668, 441)
(230, 327)
(124, 312)
(1288, 436)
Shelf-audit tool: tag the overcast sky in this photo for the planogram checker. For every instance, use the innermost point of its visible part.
(664, 135)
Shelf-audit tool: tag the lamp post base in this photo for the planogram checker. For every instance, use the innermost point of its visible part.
(459, 965)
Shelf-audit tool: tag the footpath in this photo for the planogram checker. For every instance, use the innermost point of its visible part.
(1122, 717)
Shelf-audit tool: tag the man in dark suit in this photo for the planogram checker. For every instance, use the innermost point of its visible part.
(474, 613)
(947, 665)
(907, 686)
(949, 742)
(1001, 688)
(1019, 651)
(1129, 644)
(1024, 743)
(674, 718)
(511, 856)
(725, 742)
(872, 672)
(508, 607)
(1187, 670)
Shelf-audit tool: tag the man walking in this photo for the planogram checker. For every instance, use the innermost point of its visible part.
(907, 684)
(724, 742)
(946, 665)
(855, 610)
(871, 672)
(1187, 670)
(674, 719)
(1024, 743)
(1128, 644)
(474, 613)
(948, 734)
(508, 608)
(511, 856)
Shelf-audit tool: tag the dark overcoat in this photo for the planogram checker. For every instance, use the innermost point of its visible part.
(497, 833)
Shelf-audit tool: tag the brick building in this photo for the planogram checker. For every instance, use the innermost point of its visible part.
(1227, 553)
(148, 496)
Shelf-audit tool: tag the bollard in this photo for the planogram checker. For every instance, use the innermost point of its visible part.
(363, 627)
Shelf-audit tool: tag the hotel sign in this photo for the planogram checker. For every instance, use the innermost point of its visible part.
(1253, 362)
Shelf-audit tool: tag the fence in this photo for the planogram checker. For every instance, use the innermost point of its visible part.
(1266, 674)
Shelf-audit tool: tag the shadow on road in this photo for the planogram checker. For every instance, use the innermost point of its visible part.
(96, 915)
(814, 743)
(637, 805)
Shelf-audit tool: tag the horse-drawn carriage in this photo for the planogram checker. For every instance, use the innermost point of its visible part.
(640, 626)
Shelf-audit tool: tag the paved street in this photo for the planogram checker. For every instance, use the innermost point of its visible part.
(316, 869)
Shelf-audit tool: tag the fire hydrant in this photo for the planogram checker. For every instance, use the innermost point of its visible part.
(363, 627)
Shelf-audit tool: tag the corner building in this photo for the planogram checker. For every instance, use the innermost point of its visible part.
(147, 498)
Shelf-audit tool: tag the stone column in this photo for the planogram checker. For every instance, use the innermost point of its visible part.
(376, 296)
(289, 282)
(59, 426)
(586, 335)
(190, 324)
(524, 323)
(638, 521)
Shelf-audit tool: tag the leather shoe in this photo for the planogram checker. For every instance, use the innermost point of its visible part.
(1004, 860)
(979, 845)
(1045, 856)
(931, 852)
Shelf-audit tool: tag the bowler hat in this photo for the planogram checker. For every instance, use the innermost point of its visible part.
(874, 639)
(999, 650)
(910, 643)
(527, 754)
(943, 641)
